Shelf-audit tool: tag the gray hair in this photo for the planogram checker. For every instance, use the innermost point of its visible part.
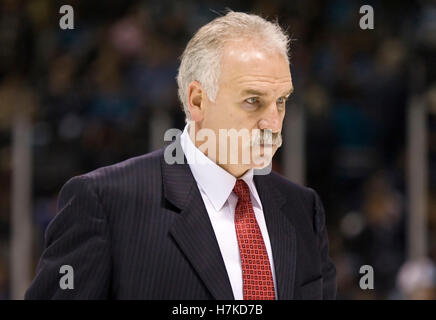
(201, 60)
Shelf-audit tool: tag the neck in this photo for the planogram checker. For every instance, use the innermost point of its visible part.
(235, 170)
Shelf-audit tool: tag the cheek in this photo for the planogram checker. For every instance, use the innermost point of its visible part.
(224, 114)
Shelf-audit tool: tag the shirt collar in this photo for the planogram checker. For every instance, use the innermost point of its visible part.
(216, 182)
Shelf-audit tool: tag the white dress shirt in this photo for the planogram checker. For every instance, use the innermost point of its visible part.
(216, 189)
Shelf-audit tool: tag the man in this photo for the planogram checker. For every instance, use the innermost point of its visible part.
(208, 228)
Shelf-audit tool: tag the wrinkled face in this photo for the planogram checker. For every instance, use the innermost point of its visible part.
(253, 87)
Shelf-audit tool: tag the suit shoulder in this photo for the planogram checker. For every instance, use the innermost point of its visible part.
(145, 163)
(285, 185)
(122, 173)
(307, 196)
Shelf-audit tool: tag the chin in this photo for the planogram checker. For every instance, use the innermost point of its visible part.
(265, 164)
(261, 162)
(267, 149)
(261, 156)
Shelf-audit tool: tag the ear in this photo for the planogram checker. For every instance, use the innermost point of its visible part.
(195, 101)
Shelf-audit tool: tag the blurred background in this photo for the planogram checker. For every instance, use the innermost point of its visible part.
(360, 128)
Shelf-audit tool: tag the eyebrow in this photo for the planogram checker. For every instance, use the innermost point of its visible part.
(262, 93)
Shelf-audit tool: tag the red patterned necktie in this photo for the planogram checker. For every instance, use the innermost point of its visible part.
(257, 277)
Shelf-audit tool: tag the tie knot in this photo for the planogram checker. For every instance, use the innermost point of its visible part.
(241, 190)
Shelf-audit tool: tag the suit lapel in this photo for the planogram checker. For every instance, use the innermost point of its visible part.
(192, 229)
(282, 236)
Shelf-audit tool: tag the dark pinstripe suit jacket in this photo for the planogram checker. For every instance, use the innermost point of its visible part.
(139, 230)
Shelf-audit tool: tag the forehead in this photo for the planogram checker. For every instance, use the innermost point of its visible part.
(246, 65)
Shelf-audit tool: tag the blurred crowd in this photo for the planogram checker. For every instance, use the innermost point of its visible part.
(93, 93)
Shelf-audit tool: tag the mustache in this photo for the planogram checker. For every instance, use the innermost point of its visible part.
(266, 137)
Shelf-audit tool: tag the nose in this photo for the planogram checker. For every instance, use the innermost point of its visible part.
(271, 119)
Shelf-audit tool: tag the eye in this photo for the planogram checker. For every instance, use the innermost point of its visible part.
(282, 100)
(252, 100)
